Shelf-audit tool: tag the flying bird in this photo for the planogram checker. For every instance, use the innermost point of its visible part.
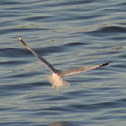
(56, 78)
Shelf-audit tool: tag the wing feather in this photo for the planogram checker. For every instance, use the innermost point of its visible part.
(81, 69)
(38, 56)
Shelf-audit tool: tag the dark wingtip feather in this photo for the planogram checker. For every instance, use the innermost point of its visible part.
(105, 64)
(22, 41)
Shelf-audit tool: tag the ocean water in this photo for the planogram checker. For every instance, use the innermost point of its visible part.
(68, 33)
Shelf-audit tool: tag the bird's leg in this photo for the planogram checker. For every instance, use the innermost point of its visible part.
(57, 88)
(52, 85)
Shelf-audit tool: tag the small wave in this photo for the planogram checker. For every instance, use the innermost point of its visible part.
(6, 31)
(113, 29)
(34, 18)
(74, 44)
(108, 30)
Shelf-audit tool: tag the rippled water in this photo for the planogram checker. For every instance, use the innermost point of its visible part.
(68, 34)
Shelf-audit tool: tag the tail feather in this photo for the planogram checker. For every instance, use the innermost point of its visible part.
(57, 80)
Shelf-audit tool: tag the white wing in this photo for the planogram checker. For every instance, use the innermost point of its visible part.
(81, 69)
(38, 56)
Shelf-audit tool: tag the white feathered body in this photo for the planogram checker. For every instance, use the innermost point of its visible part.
(57, 80)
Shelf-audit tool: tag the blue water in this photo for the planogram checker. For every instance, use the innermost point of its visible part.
(68, 33)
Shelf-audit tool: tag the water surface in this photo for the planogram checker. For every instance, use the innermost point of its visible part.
(68, 34)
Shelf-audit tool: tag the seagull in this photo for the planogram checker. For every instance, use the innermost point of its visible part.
(56, 78)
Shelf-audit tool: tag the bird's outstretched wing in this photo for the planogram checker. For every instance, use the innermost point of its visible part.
(38, 56)
(81, 69)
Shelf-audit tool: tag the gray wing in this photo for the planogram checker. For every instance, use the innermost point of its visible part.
(38, 56)
(81, 69)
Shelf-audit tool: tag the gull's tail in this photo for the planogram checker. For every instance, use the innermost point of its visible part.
(57, 80)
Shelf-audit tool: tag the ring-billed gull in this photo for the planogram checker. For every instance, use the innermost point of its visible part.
(56, 78)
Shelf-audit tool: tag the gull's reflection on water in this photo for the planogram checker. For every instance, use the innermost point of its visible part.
(60, 124)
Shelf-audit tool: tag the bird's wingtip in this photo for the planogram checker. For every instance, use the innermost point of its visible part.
(106, 63)
(20, 38)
